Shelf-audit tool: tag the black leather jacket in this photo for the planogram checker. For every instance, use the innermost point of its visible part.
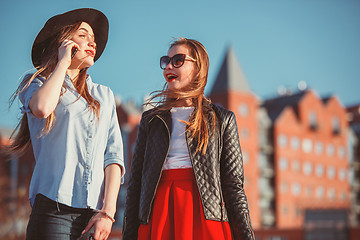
(218, 173)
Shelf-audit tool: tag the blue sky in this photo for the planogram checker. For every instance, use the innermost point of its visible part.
(277, 43)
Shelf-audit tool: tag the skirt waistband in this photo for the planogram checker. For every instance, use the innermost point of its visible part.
(177, 174)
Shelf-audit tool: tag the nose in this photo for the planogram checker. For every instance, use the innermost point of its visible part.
(92, 44)
(169, 66)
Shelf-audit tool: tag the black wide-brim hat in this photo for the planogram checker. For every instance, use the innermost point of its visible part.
(96, 19)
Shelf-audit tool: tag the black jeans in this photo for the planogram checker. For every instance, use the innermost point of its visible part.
(55, 221)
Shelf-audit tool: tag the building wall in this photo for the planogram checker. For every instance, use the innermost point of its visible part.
(310, 160)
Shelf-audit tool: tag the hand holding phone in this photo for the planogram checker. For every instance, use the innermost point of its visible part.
(73, 51)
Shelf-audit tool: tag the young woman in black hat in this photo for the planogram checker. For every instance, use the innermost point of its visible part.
(71, 124)
(187, 176)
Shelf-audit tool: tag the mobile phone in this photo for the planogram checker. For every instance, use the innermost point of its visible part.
(73, 51)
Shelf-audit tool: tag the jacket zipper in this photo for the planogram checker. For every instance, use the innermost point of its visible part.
(248, 223)
(192, 164)
(157, 184)
(222, 204)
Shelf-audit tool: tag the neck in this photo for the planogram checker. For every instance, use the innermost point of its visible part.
(184, 103)
(73, 73)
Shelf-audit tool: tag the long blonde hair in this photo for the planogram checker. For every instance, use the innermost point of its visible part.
(198, 126)
(49, 60)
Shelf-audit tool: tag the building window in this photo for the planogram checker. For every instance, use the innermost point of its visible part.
(284, 187)
(313, 120)
(331, 194)
(319, 147)
(320, 192)
(330, 150)
(319, 170)
(343, 196)
(307, 168)
(341, 152)
(246, 182)
(295, 143)
(283, 164)
(307, 145)
(282, 140)
(331, 172)
(244, 133)
(308, 191)
(342, 174)
(284, 210)
(246, 158)
(336, 125)
(243, 109)
(295, 165)
(296, 189)
(262, 160)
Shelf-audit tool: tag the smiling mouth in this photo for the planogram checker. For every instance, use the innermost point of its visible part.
(171, 77)
(90, 53)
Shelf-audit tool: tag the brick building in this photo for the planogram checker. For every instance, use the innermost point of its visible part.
(295, 151)
(309, 155)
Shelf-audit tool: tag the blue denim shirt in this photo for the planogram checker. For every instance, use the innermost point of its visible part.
(71, 158)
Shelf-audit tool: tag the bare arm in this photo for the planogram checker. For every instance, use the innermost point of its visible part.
(112, 186)
(45, 99)
(101, 222)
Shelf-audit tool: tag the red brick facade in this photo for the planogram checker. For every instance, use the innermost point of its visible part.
(310, 159)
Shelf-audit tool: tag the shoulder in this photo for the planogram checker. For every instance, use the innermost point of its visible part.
(102, 88)
(27, 87)
(222, 113)
(151, 113)
(39, 80)
(155, 113)
(99, 88)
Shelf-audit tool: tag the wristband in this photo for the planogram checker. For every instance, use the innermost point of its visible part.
(106, 214)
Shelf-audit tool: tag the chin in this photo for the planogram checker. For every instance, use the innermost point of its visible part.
(87, 65)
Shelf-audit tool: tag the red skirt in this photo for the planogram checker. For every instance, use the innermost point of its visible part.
(177, 211)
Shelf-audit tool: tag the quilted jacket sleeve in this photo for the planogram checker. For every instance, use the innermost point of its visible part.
(232, 178)
(131, 219)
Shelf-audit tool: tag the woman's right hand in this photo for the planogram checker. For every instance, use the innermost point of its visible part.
(65, 52)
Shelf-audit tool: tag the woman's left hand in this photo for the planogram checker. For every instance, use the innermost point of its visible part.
(102, 226)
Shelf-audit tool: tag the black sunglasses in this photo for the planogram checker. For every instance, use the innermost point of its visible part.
(176, 60)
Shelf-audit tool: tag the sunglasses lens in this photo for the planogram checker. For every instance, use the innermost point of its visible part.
(164, 61)
(178, 60)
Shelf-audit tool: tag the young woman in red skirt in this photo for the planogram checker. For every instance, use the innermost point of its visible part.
(186, 179)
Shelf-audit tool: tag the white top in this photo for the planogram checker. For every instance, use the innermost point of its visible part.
(178, 156)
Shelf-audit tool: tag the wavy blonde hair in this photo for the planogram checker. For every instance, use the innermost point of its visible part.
(198, 126)
(49, 60)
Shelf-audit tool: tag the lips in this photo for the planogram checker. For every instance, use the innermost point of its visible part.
(91, 53)
(170, 77)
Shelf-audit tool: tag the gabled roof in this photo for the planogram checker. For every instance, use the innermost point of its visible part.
(275, 106)
(230, 76)
(326, 99)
